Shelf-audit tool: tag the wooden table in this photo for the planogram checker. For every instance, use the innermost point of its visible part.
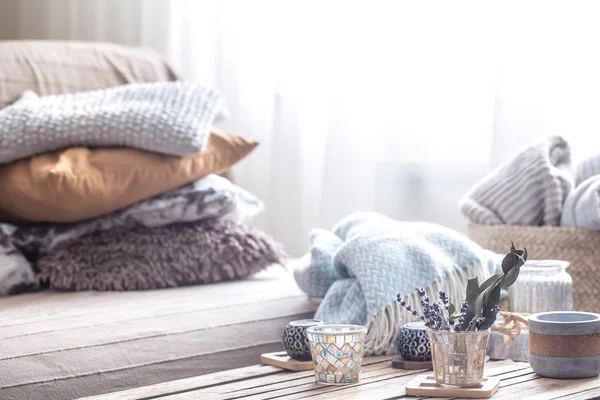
(378, 381)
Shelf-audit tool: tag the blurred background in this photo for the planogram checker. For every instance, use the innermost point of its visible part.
(392, 106)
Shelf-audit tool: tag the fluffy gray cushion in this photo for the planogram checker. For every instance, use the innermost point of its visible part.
(209, 197)
(169, 256)
(582, 206)
(587, 168)
(164, 117)
(16, 274)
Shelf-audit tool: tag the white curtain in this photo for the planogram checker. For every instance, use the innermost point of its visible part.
(392, 106)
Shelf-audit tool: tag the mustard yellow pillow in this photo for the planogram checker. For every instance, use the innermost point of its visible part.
(81, 183)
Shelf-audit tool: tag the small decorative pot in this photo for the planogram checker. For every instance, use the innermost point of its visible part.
(458, 358)
(565, 344)
(337, 352)
(412, 342)
(294, 338)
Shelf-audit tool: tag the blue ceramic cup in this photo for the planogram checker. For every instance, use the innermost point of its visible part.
(412, 342)
(294, 339)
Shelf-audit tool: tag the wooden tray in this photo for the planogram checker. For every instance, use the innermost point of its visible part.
(425, 385)
(399, 363)
(282, 360)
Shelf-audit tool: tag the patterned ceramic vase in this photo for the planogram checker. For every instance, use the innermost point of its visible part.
(294, 338)
(337, 352)
(412, 342)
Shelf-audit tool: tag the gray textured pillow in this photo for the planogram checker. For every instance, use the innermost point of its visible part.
(582, 206)
(164, 117)
(16, 274)
(169, 256)
(587, 168)
(209, 197)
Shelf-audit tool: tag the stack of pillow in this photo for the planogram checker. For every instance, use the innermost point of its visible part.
(118, 189)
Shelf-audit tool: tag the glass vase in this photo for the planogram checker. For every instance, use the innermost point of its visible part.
(542, 286)
(458, 357)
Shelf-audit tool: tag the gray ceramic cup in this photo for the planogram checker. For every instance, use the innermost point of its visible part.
(565, 344)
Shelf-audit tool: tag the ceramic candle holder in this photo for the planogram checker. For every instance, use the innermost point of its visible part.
(337, 352)
(412, 342)
(294, 338)
(565, 344)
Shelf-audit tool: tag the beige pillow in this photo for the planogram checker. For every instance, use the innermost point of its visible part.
(81, 183)
(48, 67)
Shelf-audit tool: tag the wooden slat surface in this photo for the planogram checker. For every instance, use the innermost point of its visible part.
(378, 381)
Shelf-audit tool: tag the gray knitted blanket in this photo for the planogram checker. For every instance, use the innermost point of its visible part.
(529, 189)
(165, 117)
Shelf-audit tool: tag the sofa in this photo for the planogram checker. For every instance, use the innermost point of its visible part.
(65, 345)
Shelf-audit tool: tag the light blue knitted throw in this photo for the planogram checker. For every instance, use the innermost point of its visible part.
(360, 267)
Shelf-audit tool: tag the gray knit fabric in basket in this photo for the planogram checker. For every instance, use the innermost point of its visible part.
(582, 207)
(527, 190)
(587, 168)
(165, 117)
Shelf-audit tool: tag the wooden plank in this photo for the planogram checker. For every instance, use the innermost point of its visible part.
(386, 384)
(378, 381)
(394, 388)
(583, 395)
(544, 388)
(220, 379)
(556, 388)
(203, 381)
(271, 383)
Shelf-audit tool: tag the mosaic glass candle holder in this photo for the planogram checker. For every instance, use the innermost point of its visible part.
(337, 352)
(458, 357)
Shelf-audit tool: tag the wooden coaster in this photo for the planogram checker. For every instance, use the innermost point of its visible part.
(400, 363)
(425, 385)
(282, 360)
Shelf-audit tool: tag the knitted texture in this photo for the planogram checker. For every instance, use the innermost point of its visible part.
(360, 267)
(208, 198)
(587, 168)
(582, 207)
(164, 117)
(530, 189)
(150, 258)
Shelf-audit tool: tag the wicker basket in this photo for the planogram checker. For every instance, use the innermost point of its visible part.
(579, 247)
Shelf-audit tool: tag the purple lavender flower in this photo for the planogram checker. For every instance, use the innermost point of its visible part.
(464, 306)
(444, 298)
(420, 291)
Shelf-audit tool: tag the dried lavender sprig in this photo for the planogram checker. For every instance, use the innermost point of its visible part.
(407, 306)
(464, 307)
(444, 298)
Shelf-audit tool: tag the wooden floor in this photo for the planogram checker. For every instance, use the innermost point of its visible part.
(378, 381)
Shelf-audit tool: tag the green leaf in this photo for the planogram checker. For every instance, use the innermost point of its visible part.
(512, 246)
(491, 281)
(456, 315)
(451, 309)
(489, 312)
(472, 293)
(472, 290)
(510, 277)
(484, 297)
